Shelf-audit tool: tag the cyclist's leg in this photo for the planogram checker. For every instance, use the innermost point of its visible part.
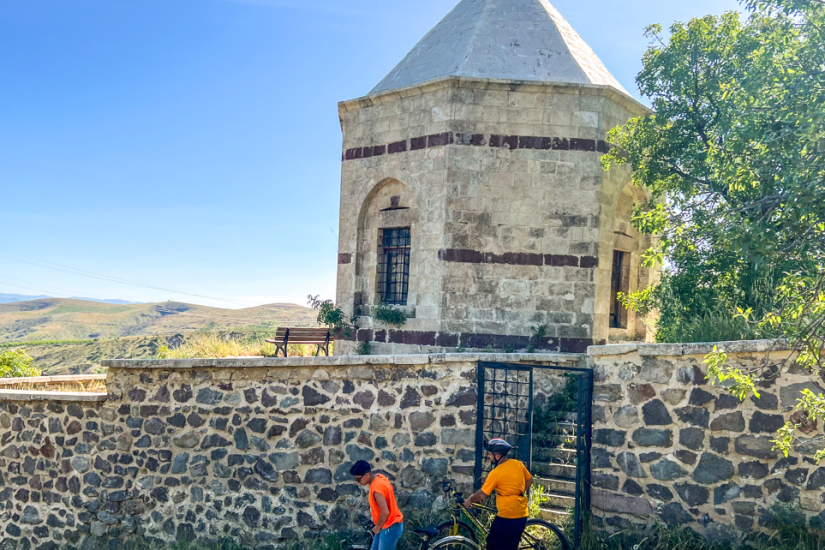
(505, 533)
(388, 538)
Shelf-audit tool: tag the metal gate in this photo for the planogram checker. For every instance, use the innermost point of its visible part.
(505, 410)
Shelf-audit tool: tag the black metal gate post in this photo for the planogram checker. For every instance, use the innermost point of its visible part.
(584, 430)
(505, 410)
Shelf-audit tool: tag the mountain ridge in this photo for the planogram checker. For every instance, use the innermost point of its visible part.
(72, 319)
(13, 298)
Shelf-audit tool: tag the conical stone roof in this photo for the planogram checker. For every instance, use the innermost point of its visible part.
(501, 39)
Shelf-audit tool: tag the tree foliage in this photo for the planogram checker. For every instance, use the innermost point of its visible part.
(734, 159)
(16, 363)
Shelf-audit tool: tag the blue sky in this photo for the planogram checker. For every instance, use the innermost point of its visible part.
(194, 145)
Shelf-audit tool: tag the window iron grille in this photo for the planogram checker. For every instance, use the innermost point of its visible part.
(394, 266)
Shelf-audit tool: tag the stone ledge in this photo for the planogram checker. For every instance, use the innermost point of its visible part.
(671, 350)
(342, 361)
(25, 395)
(446, 82)
(51, 379)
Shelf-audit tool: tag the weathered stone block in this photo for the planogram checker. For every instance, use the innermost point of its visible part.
(655, 413)
(766, 423)
(712, 469)
(695, 416)
(756, 446)
(617, 503)
(609, 438)
(731, 422)
(692, 495)
(650, 437)
(629, 463)
(667, 470)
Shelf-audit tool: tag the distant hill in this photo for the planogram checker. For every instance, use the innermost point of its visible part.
(12, 298)
(69, 319)
(67, 336)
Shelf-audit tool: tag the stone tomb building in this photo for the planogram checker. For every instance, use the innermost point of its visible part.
(472, 195)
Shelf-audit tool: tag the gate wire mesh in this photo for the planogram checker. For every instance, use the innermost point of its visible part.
(394, 265)
(506, 411)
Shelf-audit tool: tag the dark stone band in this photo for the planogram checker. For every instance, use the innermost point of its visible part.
(479, 140)
(469, 340)
(516, 258)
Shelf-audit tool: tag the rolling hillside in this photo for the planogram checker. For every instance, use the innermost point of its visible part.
(67, 319)
(67, 336)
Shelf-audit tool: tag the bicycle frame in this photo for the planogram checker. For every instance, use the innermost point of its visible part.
(459, 511)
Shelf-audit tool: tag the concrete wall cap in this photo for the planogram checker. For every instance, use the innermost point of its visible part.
(51, 379)
(25, 395)
(702, 348)
(342, 361)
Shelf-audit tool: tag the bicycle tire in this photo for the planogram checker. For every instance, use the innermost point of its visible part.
(454, 543)
(465, 530)
(543, 535)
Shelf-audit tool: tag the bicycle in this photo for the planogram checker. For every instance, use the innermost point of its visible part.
(538, 535)
(454, 542)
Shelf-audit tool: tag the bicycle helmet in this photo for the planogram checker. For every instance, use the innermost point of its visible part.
(498, 446)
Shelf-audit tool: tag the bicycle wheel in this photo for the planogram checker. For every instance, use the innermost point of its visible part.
(543, 535)
(451, 528)
(455, 543)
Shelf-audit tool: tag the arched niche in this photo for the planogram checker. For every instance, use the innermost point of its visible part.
(627, 237)
(627, 275)
(389, 205)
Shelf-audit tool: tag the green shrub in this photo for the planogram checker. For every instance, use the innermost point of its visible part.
(328, 313)
(389, 315)
(787, 525)
(16, 363)
(538, 335)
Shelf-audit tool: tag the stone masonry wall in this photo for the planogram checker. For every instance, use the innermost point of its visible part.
(254, 449)
(513, 220)
(210, 452)
(669, 444)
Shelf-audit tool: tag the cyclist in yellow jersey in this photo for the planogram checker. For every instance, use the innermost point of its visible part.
(511, 481)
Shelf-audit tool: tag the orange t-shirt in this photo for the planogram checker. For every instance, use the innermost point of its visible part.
(382, 486)
(509, 481)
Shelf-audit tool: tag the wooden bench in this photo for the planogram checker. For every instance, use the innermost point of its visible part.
(285, 336)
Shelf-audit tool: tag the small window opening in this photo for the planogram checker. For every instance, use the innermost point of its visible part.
(620, 279)
(394, 265)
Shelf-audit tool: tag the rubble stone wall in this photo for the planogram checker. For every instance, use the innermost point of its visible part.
(254, 449)
(668, 444)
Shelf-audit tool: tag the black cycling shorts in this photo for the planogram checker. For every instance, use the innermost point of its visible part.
(505, 534)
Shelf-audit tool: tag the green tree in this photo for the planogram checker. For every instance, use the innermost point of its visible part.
(734, 159)
(15, 363)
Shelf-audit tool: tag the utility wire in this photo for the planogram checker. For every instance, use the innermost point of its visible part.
(95, 275)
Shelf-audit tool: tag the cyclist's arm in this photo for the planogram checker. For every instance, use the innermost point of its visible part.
(528, 484)
(383, 512)
(478, 496)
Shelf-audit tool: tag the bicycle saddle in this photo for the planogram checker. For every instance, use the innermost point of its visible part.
(428, 532)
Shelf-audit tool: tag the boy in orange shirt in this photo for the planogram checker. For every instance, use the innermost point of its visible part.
(386, 516)
(511, 481)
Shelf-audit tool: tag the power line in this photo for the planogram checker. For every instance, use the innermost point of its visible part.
(95, 275)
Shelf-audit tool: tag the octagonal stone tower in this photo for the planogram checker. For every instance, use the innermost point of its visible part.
(472, 196)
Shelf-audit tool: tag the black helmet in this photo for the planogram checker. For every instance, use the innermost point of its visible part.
(498, 446)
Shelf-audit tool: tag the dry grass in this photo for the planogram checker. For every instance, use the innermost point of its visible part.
(217, 346)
